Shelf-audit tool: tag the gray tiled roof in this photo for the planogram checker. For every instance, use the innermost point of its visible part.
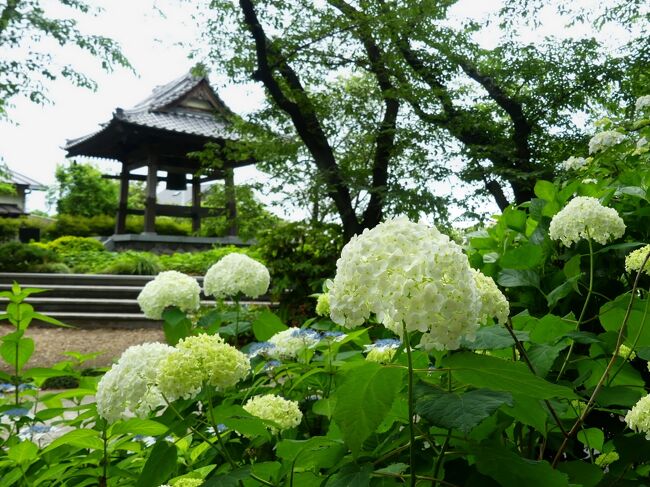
(21, 179)
(155, 112)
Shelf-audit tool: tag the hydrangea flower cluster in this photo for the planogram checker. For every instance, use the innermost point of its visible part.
(493, 302)
(286, 414)
(169, 288)
(634, 260)
(573, 164)
(638, 418)
(201, 360)
(382, 351)
(642, 102)
(291, 343)
(323, 305)
(235, 274)
(604, 140)
(584, 217)
(626, 352)
(605, 459)
(129, 387)
(409, 273)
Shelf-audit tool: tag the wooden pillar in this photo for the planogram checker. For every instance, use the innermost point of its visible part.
(196, 203)
(231, 201)
(120, 221)
(150, 202)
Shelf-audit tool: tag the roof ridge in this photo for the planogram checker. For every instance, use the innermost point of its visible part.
(162, 95)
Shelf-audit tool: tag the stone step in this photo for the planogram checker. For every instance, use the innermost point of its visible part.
(30, 278)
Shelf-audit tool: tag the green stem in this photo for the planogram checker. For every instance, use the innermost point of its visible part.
(584, 307)
(194, 430)
(439, 460)
(237, 307)
(229, 459)
(636, 340)
(16, 365)
(411, 406)
(105, 460)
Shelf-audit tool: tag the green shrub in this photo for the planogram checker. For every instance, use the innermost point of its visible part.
(133, 263)
(53, 268)
(19, 257)
(299, 257)
(72, 244)
(9, 228)
(198, 263)
(81, 226)
(88, 261)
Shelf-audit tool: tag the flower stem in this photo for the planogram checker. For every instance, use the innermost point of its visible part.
(584, 307)
(411, 406)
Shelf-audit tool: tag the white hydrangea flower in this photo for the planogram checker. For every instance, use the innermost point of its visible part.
(409, 273)
(323, 304)
(642, 102)
(169, 288)
(130, 387)
(573, 164)
(603, 140)
(186, 482)
(291, 343)
(635, 259)
(638, 418)
(589, 181)
(641, 142)
(201, 360)
(584, 217)
(234, 274)
(493, 303)
(286, 414)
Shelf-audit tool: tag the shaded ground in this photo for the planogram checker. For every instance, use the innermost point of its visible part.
(50, 343)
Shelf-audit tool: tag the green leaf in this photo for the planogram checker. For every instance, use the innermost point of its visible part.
(81, 438)
(176, 325)
(24, 346)
(515, 219)
(23, 452)
(549, 329)
(231, 479)
(511, 470)
(612, 314)
(363, 400)
(316, 452)
(562, 291)
(494, 338)
(517, 278)
(523, 257)
(545, 190)
(351, 474)
(160, 465)
(592, 438)
(136, 426)
(50, 320)
(528, 410)
(502, 375)
(542, 356)
(582, 473)
(572, 267)
(238, 419)
(461, 411)
(266, 325)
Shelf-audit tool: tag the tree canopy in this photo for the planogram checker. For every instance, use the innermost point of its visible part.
(370, 101)
(26, 65)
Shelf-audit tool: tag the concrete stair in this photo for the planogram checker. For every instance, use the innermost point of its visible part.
(90, 300)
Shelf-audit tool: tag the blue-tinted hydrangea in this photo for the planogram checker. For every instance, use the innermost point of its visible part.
(293, 342)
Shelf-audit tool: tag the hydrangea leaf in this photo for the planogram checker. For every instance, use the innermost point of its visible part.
(137, 426)
(502, 375)
(461, 411)
(612, 314)
(494, 338)
(511, 470)
(523, 257)
(582, 473)
(266, 325)
(363, 400)
(23, 452)
(517, 278)
(592, 438)
(17, 350)
(316, 452)
(528, 410)
(159, 466)
(543, 355)
(81, 438)
(351, 474)
(176, 325)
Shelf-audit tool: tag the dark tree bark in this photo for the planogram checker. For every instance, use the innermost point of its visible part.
(291, 97)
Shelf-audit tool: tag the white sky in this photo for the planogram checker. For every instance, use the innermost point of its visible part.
(31, 142)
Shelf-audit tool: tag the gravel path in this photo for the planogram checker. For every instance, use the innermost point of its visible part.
(50, 343)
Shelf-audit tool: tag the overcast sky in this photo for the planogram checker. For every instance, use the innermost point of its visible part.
(31, 142)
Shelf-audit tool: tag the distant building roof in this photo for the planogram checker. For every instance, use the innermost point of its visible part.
(187, 107)
(22, 180)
